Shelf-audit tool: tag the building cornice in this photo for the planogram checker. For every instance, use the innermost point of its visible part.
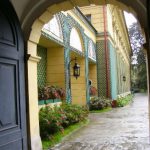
(78, 12)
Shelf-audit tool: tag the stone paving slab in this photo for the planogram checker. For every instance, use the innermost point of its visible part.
(124, 128)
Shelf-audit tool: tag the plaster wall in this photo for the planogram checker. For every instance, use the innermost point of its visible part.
(78, 86)
(110, 20)
(96, 16)
(55, 66)
(93, 74)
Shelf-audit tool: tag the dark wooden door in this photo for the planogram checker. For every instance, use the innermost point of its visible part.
(12, 86)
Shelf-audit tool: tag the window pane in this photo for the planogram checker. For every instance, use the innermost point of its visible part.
(75, 40)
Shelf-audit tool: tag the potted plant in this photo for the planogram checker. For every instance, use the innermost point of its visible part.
(41, 96)
(93, 91)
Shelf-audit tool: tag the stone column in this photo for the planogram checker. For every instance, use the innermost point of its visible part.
(33, 116)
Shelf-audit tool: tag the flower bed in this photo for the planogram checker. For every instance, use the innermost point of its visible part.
(53, 120)
(123, 101)
(50, 94)
(99, 103)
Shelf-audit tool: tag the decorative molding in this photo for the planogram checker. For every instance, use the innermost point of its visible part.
(78, 12)
(34, 58)
(46, 35)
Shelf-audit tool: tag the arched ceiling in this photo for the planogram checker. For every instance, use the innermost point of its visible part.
(28, 11)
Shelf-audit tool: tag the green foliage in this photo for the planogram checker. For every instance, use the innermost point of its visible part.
(74, 113)
(121, 102)
(102, 110)
(98, 103)
(53, 120)
(138, 64)
(57, 137)
(136, 37)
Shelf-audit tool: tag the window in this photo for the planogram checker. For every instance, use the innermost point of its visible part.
(53, 28)
(75, 40)
(91, 51)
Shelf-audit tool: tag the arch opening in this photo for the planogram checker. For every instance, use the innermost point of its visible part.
(35, 36)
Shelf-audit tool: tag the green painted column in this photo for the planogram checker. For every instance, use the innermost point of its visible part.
(113, 71)
(86, 40)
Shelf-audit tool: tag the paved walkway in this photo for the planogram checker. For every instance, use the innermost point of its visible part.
(124, 128)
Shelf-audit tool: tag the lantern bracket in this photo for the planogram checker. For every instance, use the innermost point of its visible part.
(76, 68)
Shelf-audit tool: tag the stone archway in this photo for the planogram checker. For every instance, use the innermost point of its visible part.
(32, 42)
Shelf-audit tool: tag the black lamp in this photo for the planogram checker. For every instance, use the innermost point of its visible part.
(76, 69)
(124, 78)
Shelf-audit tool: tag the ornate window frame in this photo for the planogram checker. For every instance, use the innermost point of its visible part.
(76, 33)
(58, 33)
(91, 51)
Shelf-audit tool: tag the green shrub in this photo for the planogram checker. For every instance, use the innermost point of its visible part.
(74, 113)
(124, 100)
(53, 120)
(98, 103)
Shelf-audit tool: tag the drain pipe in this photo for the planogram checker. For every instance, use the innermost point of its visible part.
(148, 59)
(106, 52)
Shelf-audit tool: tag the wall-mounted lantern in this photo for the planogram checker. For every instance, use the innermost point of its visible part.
(76, 69)
(124, 78)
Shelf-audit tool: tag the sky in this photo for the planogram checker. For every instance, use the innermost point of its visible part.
(130, 19)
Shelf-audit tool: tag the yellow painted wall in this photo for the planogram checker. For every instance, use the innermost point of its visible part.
(78, 87)
(55, 66)
(87, 31)
(93, 74)
(109, 20)
(96, 16)
(120, 33)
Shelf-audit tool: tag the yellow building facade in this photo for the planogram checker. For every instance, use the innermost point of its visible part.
(113, 50)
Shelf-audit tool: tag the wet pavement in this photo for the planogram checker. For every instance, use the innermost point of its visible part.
(124, 128)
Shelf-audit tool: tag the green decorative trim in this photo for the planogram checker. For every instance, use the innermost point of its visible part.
(101, 68)
(77, 51)
(66, 34)
(48, 101)
(46, 35)
(113, 71)
(93, 49)
(86, 39)
(74, 24)
(41, 102)
(41, 67)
